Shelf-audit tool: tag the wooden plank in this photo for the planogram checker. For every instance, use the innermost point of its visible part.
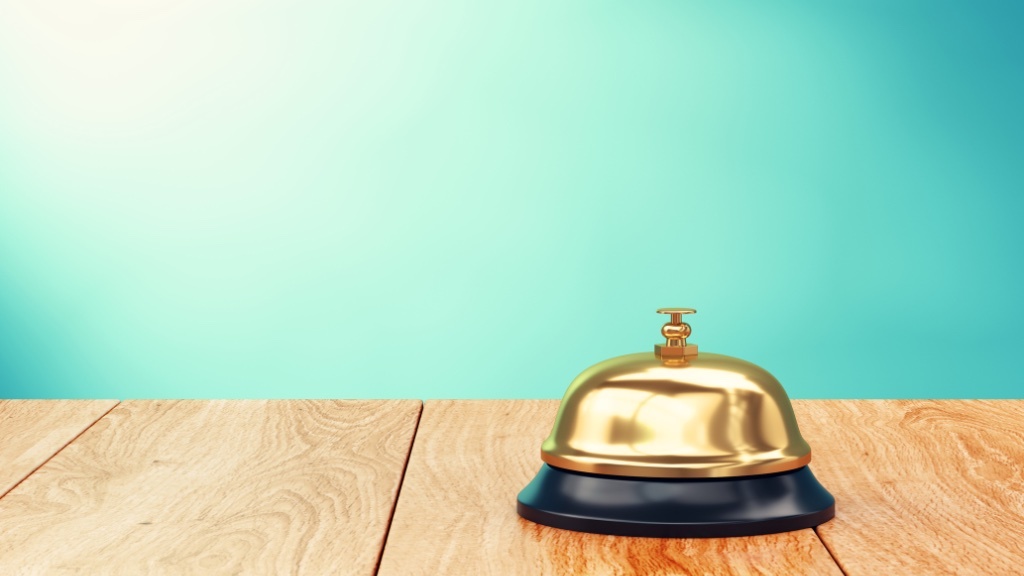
(922, 486)
(456, 513)
(34, 430)
(215, 487)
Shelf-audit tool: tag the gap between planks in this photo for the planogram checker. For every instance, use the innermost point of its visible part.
(398, 491)
(60, 449)
(830, 552)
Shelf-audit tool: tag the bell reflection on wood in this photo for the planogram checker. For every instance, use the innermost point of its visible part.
(676, 444)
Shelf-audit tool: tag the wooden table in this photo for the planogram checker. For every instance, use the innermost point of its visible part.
(311, 486)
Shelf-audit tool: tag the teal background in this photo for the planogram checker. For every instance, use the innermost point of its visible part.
(480, 199)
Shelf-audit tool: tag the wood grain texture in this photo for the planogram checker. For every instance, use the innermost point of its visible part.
(34, 430)
(215, 487)
(456, 513)
(922, 486)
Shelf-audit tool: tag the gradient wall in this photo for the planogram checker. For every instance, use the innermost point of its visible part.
(480, 199)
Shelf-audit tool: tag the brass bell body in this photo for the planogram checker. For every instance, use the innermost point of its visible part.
(658, 435)
(714, 416)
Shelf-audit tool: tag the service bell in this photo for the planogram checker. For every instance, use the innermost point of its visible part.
(676, 444)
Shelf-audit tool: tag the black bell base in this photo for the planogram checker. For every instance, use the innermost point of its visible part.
(676, 508)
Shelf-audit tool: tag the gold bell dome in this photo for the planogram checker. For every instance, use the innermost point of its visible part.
(676, 413)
